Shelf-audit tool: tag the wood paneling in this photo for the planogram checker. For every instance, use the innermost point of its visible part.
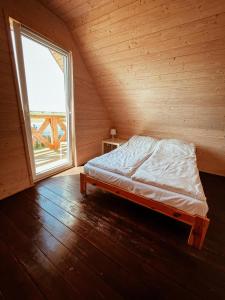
(159, 67)
(91, 118)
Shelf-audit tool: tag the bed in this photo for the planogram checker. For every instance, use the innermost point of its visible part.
(159, 174)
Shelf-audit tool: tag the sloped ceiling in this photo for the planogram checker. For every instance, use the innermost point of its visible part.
(159, 65)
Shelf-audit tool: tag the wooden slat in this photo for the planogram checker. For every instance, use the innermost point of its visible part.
(142, 37)
(159, 18)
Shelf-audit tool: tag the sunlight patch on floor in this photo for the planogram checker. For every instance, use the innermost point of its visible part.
(72, 171)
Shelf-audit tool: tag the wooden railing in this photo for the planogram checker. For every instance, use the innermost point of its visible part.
(52, 119)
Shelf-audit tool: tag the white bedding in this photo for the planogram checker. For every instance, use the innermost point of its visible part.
(180, 201)
(127, 158)
(172, 167)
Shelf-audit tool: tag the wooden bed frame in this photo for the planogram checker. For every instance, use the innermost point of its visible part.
(199, 225)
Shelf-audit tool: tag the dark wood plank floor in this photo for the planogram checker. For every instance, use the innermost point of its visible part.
(55, 244)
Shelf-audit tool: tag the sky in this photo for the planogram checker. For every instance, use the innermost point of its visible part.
(45, 79)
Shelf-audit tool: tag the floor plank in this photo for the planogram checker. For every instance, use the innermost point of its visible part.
(15, 283)
(37, 265)
(65, 246)
(159, 257)
(72, 269)
(112, 273)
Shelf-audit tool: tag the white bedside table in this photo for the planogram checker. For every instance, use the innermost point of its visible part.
(110, 144)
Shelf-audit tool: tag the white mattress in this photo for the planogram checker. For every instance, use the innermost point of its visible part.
(182, 202)
(172, 167)
(127, 158)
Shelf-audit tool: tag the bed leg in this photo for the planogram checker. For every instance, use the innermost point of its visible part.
(83, 184)
(198, 232)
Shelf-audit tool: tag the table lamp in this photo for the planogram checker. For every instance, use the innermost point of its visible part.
(113, 132)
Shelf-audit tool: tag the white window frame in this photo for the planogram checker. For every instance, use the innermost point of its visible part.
(19, 30)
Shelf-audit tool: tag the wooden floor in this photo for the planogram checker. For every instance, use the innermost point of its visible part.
(55, 244)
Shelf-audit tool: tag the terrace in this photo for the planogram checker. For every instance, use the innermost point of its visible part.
(49, 139)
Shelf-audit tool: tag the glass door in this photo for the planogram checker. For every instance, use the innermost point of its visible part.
(44, 76)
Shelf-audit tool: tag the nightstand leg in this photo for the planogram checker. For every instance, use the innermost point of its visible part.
(83, 184)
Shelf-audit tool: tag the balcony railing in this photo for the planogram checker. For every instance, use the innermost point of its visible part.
(48, 129)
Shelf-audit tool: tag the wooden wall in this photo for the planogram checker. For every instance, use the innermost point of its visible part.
(91, 119)
(158, 65)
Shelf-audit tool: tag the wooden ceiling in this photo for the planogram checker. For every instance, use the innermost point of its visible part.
(159, 65)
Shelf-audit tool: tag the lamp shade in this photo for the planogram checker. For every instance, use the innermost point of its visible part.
(113, 131)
